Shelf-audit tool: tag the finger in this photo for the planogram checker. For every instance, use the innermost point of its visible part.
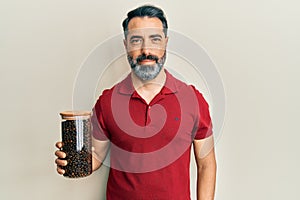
(60, 154)
(60, 170)
(60, 162)
(58, 144)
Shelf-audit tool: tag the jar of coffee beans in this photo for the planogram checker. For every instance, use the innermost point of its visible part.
(77, 143)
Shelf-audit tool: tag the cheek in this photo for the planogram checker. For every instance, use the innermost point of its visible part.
(161, 53)
(133, 50)
(134, 54)
(158, 51)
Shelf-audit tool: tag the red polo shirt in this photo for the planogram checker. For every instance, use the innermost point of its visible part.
(150, 143)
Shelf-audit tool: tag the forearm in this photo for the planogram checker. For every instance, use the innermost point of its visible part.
(96, 164)
(206, 180)
(99, 153)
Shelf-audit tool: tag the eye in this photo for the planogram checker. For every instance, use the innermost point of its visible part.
(156, 40)
(136, 41)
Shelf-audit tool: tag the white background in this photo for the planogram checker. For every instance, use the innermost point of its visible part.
(255, 45)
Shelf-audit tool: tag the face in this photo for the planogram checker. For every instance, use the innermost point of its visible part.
(146, 46)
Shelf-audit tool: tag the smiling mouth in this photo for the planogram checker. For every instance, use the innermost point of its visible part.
(147, 61)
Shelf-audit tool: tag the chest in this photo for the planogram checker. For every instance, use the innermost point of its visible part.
(136, 126)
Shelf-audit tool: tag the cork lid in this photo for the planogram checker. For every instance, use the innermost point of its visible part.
(74, 114)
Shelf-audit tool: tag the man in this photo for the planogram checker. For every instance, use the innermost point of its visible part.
(149, 122)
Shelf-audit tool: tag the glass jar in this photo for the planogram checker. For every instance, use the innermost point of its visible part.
(77, 143)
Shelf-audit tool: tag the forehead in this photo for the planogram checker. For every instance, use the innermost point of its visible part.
(145, 25)
(144, 22)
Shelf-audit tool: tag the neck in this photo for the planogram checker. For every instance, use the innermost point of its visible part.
(148, 89)
(157, 82)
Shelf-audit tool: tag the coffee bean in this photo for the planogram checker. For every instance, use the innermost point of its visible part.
(77, 144)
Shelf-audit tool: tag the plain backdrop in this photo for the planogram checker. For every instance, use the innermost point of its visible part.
(254, 44)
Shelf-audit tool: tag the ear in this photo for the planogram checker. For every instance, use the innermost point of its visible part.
(125, 44)
(167, 40)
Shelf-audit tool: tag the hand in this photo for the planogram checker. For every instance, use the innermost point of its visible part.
(60, 162)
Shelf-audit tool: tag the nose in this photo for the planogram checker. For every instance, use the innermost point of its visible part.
(146, 47)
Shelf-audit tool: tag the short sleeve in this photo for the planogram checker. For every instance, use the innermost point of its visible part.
(100, 131)
(203, 128)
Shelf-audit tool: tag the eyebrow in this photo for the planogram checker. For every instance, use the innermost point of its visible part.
(140, 37)
(155, 35)
(136, 37)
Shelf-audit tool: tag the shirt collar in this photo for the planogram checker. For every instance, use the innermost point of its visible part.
(126, 87)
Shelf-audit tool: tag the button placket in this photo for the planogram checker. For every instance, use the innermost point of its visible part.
(147, 114)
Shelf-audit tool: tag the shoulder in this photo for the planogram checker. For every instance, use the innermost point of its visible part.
(122, 87)
(105, 97)
(181, 86)
(189, 91)
(199, 95)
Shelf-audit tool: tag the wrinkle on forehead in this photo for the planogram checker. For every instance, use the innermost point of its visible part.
(145, 32)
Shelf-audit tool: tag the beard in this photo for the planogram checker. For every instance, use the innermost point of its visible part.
(146, 72)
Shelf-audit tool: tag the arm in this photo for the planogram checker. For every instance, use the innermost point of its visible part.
(206, 168)
(100, 149)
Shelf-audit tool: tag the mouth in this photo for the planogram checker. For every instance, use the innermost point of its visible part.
(146, 59)
(147, 62)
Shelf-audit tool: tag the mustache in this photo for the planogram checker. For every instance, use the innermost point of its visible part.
(145, 57)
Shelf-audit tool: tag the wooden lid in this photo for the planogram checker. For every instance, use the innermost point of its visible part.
(75, 113)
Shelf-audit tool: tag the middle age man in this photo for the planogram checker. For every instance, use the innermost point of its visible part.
(150, 121)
